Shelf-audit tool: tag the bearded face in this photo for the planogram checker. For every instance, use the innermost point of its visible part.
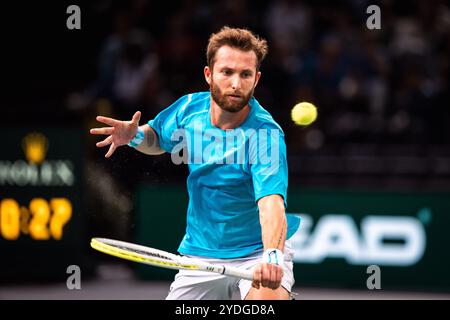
(232, 78)
(231, 101)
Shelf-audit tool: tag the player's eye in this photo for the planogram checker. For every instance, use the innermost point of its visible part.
(227, 72)
(246, 74)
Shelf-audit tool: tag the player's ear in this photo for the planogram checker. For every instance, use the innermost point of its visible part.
(207, 72)
(258, 75)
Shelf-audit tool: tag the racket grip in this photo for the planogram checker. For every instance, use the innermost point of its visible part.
(238, 273)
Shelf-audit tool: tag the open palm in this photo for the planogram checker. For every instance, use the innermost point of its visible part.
(119, 133)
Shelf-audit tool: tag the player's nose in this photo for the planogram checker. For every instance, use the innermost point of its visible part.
(236, 83)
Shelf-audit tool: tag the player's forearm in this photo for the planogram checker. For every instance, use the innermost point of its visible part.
(150, 145)
(273, 222)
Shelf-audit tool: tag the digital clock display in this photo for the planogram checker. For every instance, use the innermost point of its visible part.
(41, 220)
(41, 216)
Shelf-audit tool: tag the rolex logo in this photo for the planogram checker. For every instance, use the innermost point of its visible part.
(35, 146)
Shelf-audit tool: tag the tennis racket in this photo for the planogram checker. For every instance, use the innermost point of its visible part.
(159, 258)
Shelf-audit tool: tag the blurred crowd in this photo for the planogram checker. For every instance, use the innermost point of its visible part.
(389, 85)
(373, 88)
(382, 94)
(376, 90)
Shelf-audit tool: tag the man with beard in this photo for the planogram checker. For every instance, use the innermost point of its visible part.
(236, 213)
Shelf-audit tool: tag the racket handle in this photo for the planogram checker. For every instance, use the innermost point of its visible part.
(238, 273)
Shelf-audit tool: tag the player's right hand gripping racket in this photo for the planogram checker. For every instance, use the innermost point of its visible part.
(159, 258)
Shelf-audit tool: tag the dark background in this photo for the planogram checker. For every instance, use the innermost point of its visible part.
(382, 95)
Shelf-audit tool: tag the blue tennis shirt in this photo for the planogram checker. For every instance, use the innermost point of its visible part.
(229, 171)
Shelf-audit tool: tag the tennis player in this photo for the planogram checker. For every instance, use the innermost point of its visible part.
(237, 186)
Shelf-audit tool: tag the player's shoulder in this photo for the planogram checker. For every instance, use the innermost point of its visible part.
(193, 103)
(262, 118)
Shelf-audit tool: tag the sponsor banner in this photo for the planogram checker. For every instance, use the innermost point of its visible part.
(342, 234)
(345, 232)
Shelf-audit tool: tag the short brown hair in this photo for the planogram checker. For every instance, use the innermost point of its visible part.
(241, 39)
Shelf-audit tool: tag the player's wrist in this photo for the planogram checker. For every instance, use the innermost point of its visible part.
(137, 139)
(273, 256)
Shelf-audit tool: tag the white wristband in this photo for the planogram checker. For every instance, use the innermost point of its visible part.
(138, 138)
(274, 256)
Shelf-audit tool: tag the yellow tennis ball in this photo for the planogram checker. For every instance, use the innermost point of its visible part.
(304, 113)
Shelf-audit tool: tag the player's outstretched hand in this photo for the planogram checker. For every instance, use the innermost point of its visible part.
(119, 133)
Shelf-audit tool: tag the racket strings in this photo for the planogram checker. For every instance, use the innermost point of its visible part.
(129, 248)
(147, 253)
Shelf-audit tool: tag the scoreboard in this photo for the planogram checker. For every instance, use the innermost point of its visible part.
(41, 212)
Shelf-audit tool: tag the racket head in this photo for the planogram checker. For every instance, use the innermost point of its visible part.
(141, 254)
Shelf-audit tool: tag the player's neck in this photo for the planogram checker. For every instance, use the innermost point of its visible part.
(227, 120)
